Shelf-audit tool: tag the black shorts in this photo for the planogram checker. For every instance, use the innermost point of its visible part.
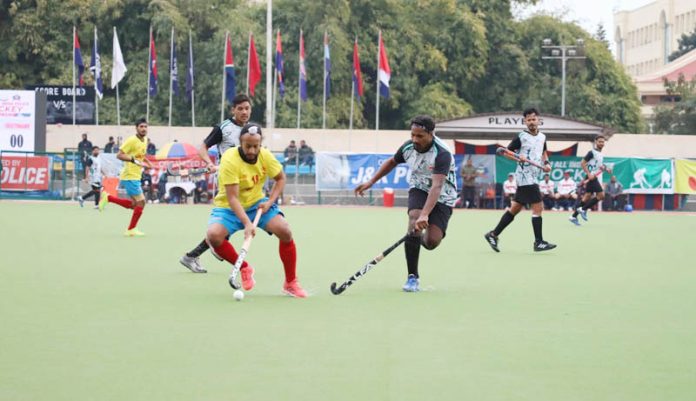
(440, 214)
(528, 194)
(593, 186)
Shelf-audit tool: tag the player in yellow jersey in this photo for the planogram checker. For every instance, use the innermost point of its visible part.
(132, 152)
(241, 175)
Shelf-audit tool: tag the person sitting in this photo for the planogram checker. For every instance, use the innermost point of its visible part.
(509, 189)
(548, 189)
(151, 148)
(200, 194)
(306, 154)
(567, 192)
(615, 198)
(290, 154)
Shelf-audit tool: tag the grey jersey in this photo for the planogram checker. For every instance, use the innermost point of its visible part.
(595, 160)
(436, 160)
(224, 136)
(95, 170)
(531, 147)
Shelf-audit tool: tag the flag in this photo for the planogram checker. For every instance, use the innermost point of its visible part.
(153, 67)
(303, 71)
(119, 69)
(357, 73)
(327, 65)
(95, 68)
(280, 68)
(230, 79)
(384, 70)
(254, 73)
(189, 72)
(173, 69)
(78, 58)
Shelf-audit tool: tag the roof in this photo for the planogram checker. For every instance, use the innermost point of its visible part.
(503, 125)
(685, 65)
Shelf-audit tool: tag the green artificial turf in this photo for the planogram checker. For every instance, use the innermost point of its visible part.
(86, 314)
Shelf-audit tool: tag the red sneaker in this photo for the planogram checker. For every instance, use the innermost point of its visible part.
(248, 278)
(293, 289)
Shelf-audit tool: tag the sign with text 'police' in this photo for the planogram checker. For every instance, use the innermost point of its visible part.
(59, 103)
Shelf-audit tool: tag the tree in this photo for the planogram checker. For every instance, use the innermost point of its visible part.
(686, 44)
(601, 35)
(678, 118)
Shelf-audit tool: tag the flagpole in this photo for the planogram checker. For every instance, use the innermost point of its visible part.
(379, 41)
(193, 90)
(270, 117)
(299, 85)
(274, 94)
(323, 100)
(171, 80)
(118, 108)
(149, 65)
(73, 75)
(224, 78)
(96, 97)
(248, 63)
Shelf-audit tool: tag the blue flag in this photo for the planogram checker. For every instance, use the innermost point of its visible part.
(173, 69)
(95, 68)
(327, 65)
(303, 71)
(189, 73)
(153, 67)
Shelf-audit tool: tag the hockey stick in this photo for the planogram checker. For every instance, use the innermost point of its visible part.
(177, 171)
(366, 268)
(242, 255)
(507, 152)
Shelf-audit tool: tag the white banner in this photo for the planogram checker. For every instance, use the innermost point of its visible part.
(17, 110)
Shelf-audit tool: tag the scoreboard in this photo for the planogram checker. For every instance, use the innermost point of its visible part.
(22, 124)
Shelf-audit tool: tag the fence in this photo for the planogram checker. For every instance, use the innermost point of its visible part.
(39, 175)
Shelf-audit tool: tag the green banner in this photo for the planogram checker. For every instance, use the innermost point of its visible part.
(638, 176)
(643, 176)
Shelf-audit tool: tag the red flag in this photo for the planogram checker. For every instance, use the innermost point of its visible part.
(254, 72)
(357, 73)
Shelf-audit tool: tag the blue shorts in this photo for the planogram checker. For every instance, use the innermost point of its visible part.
(132, 187)
(226, 217)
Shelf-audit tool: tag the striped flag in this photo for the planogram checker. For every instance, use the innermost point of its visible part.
(230, 78)
(384, 74)
(280, 68)
(152, 88)
(77, 54)
(303, 71)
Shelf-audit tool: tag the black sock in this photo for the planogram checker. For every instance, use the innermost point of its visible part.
(536, 224)
(591, 203)
(504, 222)
(412, 247)
(198, 250)
(97, 195)
(581, 206)
(88, 194)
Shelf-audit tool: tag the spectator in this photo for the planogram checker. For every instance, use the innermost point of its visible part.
(567, 193)
(84, 150)
(109, 147)
(615, 198)
(548, 189)
(151, 148)
(200, 194)
(509, 189)
(146, 182)
(162, 187)
(306, 154)
(119, 141)
(468, 173)
(290, 154)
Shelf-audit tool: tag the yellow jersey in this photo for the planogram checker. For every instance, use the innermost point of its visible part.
(133, 146)
(250, 177)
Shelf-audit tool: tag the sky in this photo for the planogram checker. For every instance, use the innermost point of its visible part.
(587, 13)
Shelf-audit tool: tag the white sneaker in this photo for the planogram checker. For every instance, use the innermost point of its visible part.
(192, 264)
(82, 201)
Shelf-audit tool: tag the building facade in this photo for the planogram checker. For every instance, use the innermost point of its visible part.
(646, 36)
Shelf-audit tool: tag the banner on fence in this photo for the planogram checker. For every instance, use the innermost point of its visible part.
(25, 173)
(343, 171)
(685, 177)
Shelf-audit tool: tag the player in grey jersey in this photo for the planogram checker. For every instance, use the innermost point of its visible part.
(530, 145)
(224, 136)
(432, 191)
(592, 164)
